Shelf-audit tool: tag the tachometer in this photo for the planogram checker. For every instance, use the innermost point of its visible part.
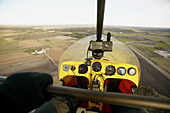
(96, 66)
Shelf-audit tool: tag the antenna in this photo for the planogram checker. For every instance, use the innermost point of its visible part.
(100, 17)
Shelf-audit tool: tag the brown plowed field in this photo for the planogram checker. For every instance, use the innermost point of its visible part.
(13, 56)
(26, 62)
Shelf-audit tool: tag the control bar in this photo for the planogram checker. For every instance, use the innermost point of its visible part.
(108, 97)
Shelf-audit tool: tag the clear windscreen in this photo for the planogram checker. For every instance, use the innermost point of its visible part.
(120, 52)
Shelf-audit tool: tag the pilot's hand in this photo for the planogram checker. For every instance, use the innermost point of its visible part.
(23, 92)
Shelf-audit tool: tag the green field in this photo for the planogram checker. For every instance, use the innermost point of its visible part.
(8, 46)
(124, 40)
(159, 37)
(29, 38)
(147, 40)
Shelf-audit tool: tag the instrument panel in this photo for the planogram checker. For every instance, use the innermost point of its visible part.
(99, 67)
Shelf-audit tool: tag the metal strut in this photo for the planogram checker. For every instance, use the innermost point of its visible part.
(108, 97)
(100, 17)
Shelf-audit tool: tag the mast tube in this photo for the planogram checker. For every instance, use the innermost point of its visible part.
(100, 17)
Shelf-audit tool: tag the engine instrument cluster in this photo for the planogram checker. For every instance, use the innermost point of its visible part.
(92, 67)
(100, 67)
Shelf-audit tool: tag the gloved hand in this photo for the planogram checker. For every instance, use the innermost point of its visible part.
(59, 104)
(23, 92)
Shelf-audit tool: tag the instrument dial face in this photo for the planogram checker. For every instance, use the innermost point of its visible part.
(82, 69)
(110, 70)
(132, 71)
(121, 71)
(65, 67)
(96, 66)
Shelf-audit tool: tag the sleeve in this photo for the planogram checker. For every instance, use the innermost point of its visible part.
(59, 105)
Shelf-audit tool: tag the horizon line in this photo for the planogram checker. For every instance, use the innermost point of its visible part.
(134, 26)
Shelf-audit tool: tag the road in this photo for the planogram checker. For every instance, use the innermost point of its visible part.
(153, 78)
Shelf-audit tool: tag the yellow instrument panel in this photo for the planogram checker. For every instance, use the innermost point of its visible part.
(105, 69)
(99, 74)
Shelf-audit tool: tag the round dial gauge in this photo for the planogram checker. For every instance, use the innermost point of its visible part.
(132, 71)
(65, 67)
(110, 70)
(82, 69)
(96, 66)
(121, 71)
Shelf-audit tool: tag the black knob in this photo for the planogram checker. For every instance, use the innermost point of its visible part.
(73, 68)
(108, 36)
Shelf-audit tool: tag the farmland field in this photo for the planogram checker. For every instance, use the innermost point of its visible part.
(17, 43)
(27, 39)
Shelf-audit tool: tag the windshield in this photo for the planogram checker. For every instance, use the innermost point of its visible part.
(120, 54)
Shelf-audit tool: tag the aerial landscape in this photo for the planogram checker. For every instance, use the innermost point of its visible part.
(20, 43)
(106, 62)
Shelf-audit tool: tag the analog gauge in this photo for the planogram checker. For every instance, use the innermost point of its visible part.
(96, 66)
(121, 71)
(83, 69)
(110, 70)
(65, 67)
(131, 71)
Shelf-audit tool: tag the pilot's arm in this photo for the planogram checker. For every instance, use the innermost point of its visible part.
(23, 92)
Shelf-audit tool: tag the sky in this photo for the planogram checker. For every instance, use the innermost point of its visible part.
(145, 13)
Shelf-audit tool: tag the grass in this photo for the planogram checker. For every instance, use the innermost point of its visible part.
(156, 58)
(2, 41)
(147, 51)
(124, 40)
(162, 62)
(159, 37)
(11, 38)
(7, 46)
(156, 38)
(48, 42)
(165, 34)
(28, 50)
(151, 37)
(162, 45)
(9, 33)
(12, 46)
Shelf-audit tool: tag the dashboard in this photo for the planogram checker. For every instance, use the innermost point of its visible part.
(105, 68)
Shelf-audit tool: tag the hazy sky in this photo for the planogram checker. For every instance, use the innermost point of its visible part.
(149, 13)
